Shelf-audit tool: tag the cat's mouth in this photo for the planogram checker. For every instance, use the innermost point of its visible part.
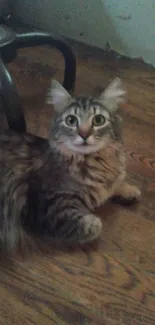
(84, 144)
(84, 148)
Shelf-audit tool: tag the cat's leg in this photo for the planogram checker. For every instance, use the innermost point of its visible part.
(127, 194)
(72, 222)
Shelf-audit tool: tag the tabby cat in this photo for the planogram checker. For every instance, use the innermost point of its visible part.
(50, 188)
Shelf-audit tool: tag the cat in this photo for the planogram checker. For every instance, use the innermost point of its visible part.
(51, 188)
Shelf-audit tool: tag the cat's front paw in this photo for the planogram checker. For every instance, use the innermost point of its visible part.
(127, 194)
(91, 228)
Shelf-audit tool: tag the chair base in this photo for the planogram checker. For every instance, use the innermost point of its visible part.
(10, 42)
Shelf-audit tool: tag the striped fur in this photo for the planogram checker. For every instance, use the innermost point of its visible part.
(49, 190)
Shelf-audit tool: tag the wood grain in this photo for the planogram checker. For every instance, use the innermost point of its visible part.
(113, 281)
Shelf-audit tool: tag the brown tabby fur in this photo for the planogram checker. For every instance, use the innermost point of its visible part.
(49, 191)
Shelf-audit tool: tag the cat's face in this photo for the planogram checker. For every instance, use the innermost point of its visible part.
(84, 125)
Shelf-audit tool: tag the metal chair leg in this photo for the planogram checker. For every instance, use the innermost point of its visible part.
(11, 101)
(39, 38)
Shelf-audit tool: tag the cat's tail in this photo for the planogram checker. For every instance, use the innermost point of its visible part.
(13, 200)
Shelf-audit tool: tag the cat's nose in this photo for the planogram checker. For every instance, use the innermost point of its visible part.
(84, 133)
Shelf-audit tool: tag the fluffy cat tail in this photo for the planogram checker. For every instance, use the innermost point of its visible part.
(12, 234)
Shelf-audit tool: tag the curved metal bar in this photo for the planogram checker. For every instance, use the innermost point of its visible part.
(40, 38)
(11, 101)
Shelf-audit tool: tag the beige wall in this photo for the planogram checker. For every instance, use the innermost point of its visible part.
(3, 7)
(128, 25)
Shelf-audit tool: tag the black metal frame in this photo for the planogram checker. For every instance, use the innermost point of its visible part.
(9, 95)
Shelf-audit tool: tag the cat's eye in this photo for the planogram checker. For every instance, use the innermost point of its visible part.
(71, 120)
(98, 120)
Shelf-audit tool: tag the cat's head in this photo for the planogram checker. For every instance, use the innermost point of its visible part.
(84, 125)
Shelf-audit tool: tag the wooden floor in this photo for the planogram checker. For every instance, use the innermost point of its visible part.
(112, 283)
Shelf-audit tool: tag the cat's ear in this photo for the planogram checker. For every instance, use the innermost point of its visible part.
(113, 95)
(57, 95)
